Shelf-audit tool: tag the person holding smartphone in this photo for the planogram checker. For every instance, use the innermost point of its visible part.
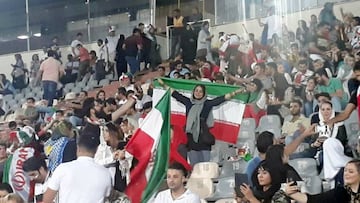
(266, 186)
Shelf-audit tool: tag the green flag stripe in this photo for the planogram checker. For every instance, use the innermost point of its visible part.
(212, 89)
(7, 167)
(162, 152)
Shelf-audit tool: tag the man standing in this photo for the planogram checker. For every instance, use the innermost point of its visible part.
(84, 65)
(176, 177)
(353, 102)
(81, 180)
(111, 41)
(75, 42)
(132, 47)
(178, 22)
(50, 73)
(38, 172)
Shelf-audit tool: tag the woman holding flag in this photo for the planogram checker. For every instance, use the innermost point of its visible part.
(199, 120)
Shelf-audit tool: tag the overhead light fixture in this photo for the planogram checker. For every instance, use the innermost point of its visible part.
(23, 37)
(37, 34)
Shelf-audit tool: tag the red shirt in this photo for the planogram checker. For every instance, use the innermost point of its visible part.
(84, 54)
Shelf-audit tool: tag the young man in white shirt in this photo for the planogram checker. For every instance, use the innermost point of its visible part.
(81, 180)
(37, 171)
(176, 177)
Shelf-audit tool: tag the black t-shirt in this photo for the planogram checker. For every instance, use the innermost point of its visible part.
(353, 98)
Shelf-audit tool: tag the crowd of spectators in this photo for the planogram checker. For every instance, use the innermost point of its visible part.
(308, 78)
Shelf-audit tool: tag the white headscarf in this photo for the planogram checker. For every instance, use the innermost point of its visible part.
(335, 127)
(334, 157)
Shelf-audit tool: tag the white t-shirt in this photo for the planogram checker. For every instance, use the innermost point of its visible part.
(81, 181)
(112, 42)
(274, 26)
(73, 45)
(187, 197)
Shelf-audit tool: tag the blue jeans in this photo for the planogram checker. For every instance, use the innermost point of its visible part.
(308, 108)
(198, 156)
(133, 63)
(49, 91)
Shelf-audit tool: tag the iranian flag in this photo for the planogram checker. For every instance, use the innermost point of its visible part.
(227, 116)
(15, 175)
(150, 145)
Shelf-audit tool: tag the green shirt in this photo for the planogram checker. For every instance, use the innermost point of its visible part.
(334, 85)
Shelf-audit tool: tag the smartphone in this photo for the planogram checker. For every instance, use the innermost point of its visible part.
(238, 192)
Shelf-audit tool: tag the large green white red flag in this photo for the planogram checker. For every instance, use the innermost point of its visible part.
(150, 145)
(15, 175)
(227, 116)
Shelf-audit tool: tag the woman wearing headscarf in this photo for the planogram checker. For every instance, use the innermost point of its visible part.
(204, 42)
(326, 112)
(121, 64)
(199, 120)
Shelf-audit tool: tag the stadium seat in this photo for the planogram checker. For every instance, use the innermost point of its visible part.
(92, 83)
(68, 87)
(8, 97)
(104, 82)
(110, 77)
(229, 200)
(77, 89)
(229, 168)
(19, 96)
(275, 131)
(224, 189)
(312, 185)
(31, 94)
(269, 122)
(204, 187)
(306, 167)
(205, 170)
(248, 124)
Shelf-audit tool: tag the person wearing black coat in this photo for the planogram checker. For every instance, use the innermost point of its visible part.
(199, 120)
(349, 193)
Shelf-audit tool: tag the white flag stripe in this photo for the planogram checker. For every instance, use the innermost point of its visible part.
(153, 128)
(230, 111)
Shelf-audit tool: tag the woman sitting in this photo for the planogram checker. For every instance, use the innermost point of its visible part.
(276, 156)
(348, 193)
(5, 86)
(266, 186)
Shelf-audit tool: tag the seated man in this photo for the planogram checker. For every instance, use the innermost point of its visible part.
(178, 69)
(29, 113)
(176, 177)
(332, 86)
(297, 123)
